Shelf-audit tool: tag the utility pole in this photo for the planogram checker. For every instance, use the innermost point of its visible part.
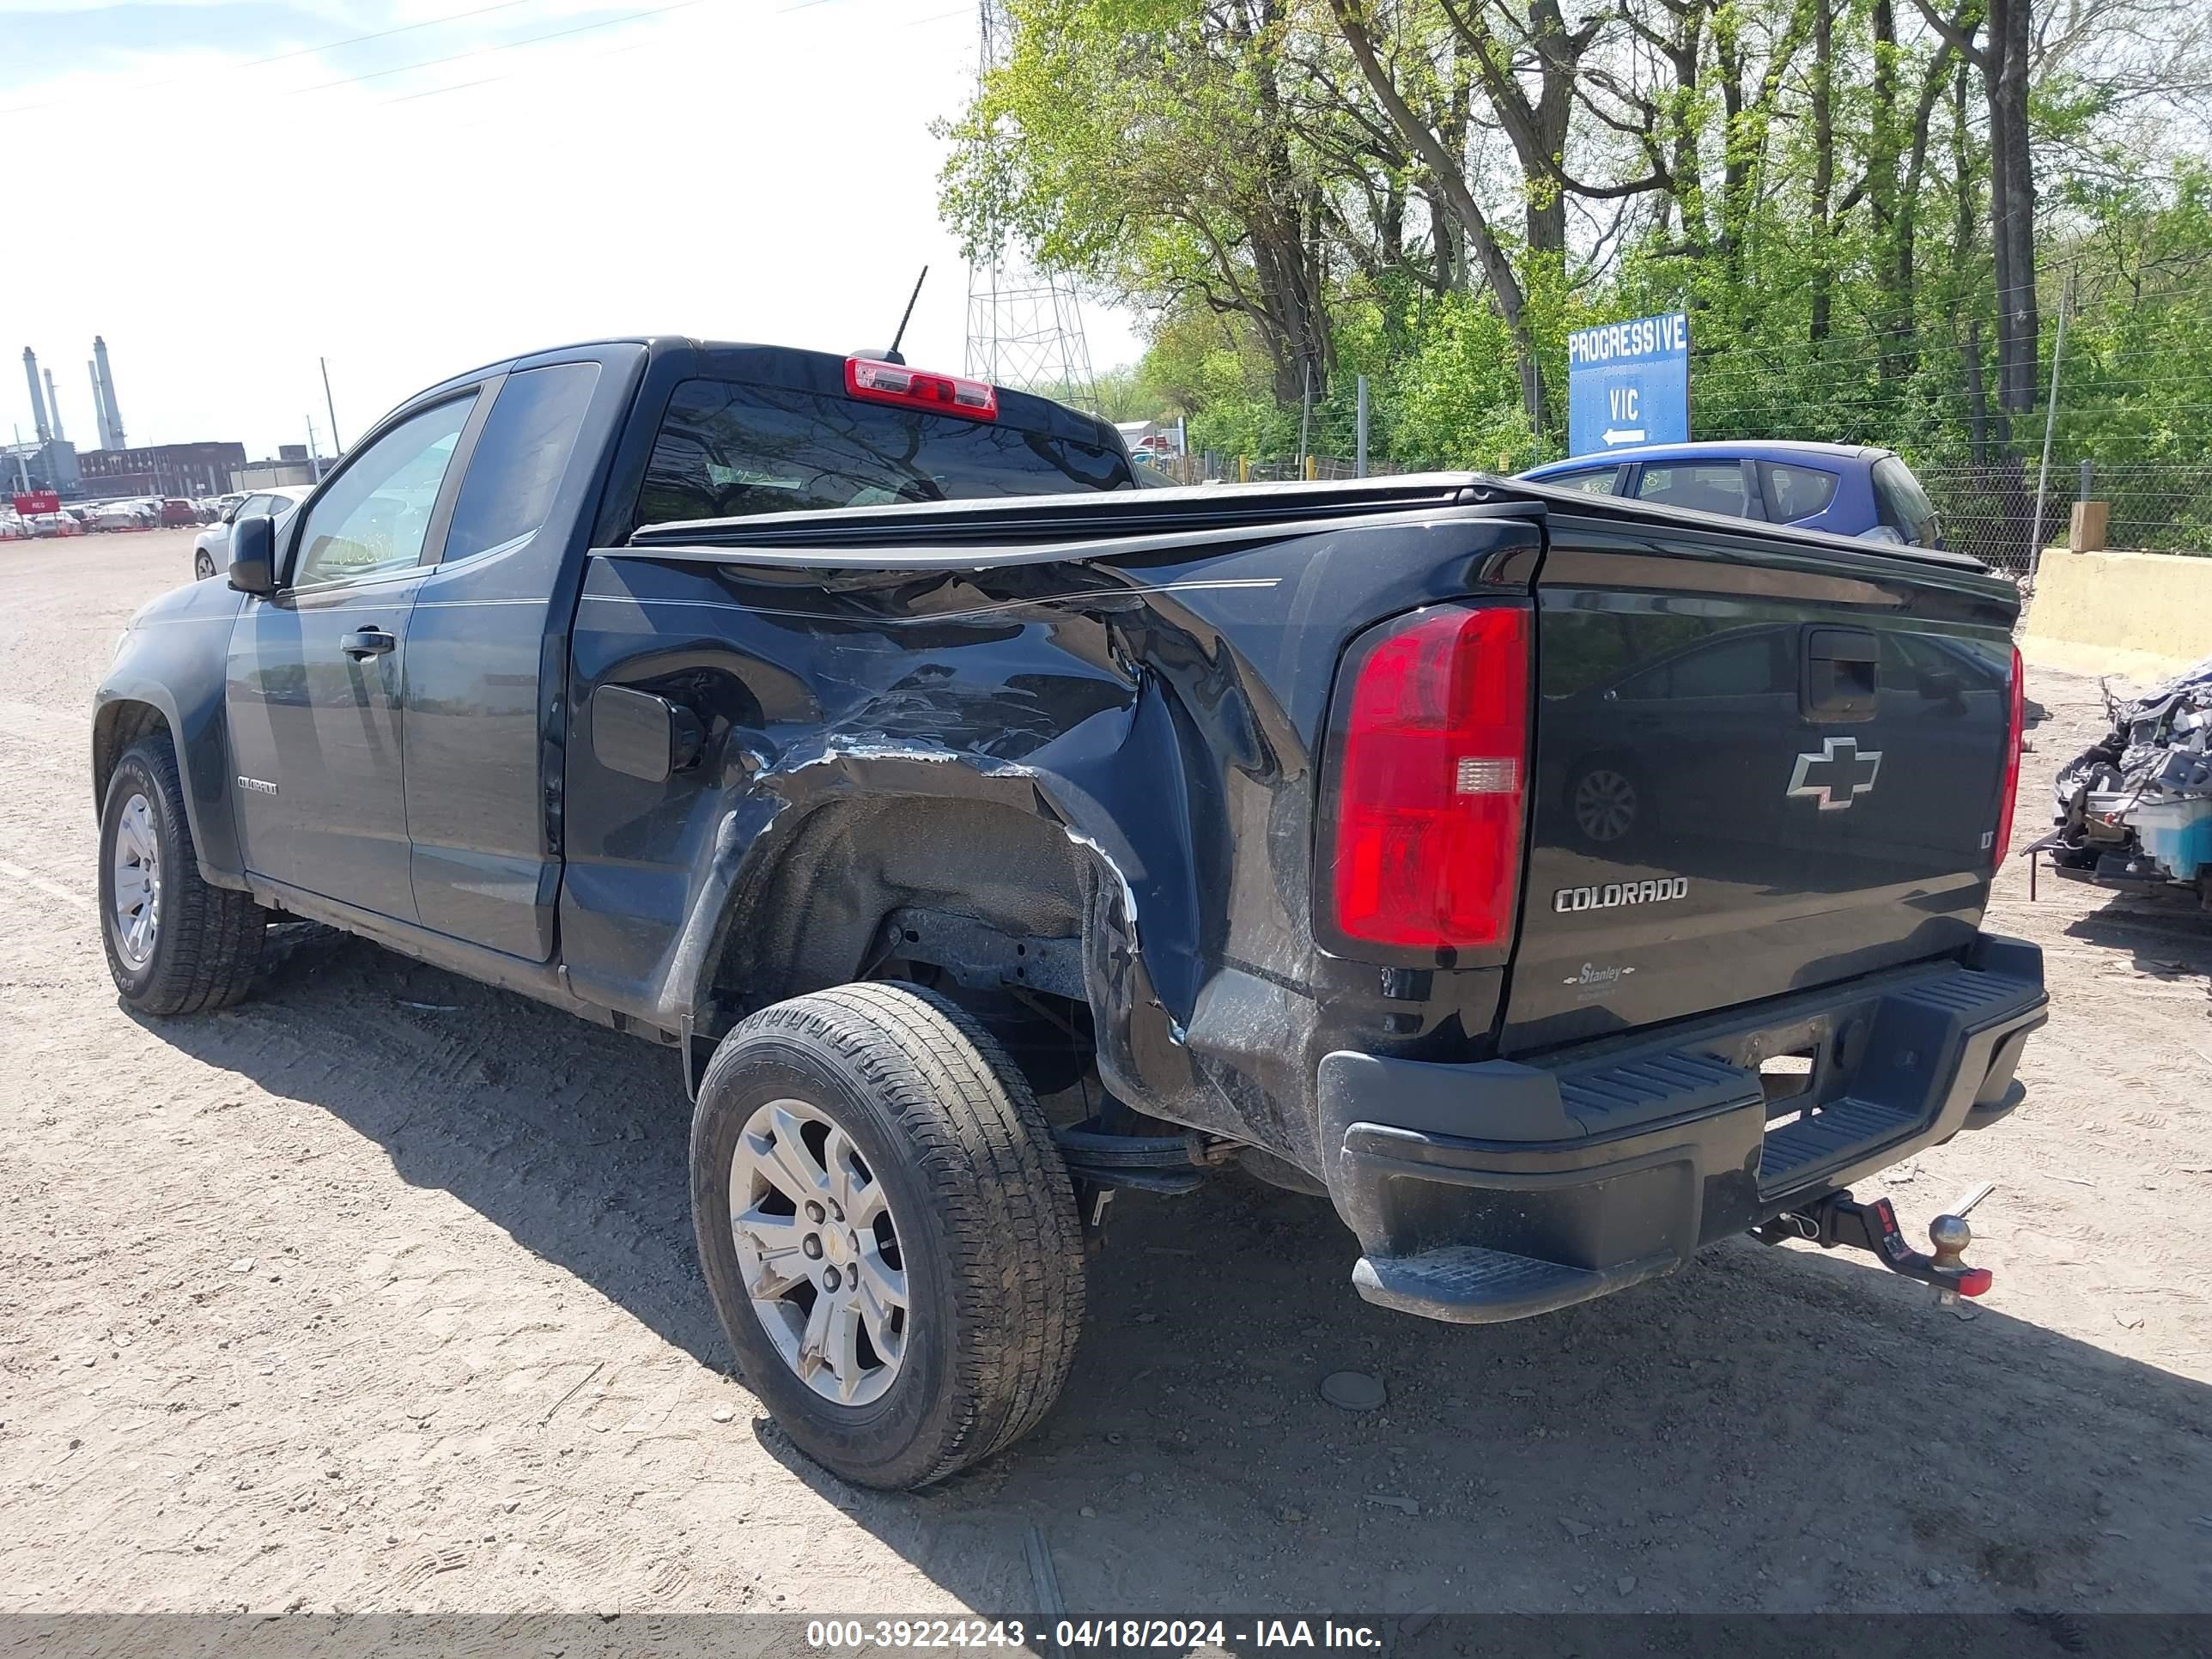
(2050, 424)
(1305, 415)
(314, 459)
(338, 444)
(1361, 464)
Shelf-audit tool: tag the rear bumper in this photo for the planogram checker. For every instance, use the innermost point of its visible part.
(1495, 1191)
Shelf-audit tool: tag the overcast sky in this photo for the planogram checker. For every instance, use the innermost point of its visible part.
(227, 190)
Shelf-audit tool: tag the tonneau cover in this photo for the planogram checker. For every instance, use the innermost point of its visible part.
(1050, 527)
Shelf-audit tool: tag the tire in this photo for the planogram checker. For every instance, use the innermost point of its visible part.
(943, 1132)
(204, 943)
(203, 564)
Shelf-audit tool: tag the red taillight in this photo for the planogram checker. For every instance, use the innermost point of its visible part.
(1426, 853)
(2016, 724)
(946, 394)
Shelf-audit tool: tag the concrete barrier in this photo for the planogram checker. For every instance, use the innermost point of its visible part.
(2140, 615)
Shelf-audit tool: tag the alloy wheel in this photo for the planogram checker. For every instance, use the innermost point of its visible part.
(820, 1251)
(136, 865)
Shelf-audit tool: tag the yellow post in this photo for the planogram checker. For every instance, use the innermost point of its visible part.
(1310, 473)
(1244, 468)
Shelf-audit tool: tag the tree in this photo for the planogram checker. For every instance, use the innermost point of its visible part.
(1850, 197)
(2002, 58)
(1146, 146)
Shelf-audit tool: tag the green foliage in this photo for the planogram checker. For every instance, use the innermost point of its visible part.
(1227, 168)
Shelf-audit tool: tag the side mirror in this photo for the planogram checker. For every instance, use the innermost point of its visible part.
(253, 554)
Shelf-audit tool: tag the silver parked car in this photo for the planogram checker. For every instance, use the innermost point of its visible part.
(212, 547)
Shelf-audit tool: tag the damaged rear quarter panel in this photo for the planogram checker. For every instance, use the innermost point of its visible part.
(1123, 751)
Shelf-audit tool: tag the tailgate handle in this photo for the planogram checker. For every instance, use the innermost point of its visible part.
(1835, 684)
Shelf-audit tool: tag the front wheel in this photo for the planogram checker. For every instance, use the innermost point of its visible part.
(203, 564)
(175, 944)
(887, 1230)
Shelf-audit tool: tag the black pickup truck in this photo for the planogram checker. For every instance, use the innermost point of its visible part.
(1555, 883)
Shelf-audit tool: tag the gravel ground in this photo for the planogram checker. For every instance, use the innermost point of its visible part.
(377, 1292)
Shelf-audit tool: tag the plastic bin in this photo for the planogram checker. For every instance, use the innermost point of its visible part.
(2177, 833)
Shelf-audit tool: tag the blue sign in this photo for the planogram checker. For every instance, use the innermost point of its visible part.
(1629, 383)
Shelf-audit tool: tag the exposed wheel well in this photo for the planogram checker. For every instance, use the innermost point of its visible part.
(114, 729)
(982, 902)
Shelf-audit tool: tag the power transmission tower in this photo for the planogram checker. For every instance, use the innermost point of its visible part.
(1023, 328)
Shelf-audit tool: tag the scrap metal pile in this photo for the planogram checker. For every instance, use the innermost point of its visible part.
(2134, 810)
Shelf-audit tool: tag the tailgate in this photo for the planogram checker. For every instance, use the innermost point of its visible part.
(1760, 766)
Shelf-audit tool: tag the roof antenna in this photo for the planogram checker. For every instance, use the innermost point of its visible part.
(892, 355)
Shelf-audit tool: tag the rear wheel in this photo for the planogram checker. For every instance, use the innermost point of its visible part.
(203, 564)
(176, 945)
(887, 1229)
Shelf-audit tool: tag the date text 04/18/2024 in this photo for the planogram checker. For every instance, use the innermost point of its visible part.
(1175, 1635)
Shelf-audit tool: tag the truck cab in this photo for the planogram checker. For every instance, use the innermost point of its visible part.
(385, 729)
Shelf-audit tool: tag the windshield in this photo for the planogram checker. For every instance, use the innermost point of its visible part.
(727, 450)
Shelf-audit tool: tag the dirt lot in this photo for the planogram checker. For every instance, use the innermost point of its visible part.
(377, 1292)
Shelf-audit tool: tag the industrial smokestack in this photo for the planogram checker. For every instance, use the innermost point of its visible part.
(37, 397)
(105, 376)
(54, 406)
(99, 404)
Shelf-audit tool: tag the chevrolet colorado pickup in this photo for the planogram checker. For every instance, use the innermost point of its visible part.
(1555, 883)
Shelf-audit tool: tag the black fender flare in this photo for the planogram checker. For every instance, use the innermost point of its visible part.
(202, 750)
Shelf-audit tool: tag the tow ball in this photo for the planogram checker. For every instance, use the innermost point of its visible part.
(1841, 1220)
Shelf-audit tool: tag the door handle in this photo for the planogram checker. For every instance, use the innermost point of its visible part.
(366, 642)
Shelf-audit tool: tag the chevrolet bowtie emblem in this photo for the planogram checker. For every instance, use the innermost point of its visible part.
(1836, 776)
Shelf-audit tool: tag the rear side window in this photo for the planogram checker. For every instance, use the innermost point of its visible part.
(1591, 480)
(1904, 505)
(730, 451)
(1702, 486)
(1795, 492)
(519, 457)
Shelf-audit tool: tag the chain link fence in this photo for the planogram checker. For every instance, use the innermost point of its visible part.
(1984, 510)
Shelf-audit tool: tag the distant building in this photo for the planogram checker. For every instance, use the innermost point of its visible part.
(1149, 438)
(294, 466)
(50, 466)
(202, 468)
(268, 475)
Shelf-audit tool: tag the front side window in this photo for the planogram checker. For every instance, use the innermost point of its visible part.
(519, 457)
(376, 514)
(727, 450)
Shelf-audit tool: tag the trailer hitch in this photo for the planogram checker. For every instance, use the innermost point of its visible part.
(1839, 1221)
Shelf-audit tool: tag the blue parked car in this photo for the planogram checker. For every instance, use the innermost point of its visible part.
(1847, 489)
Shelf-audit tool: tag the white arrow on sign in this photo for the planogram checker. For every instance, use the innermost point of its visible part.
(1634, 435)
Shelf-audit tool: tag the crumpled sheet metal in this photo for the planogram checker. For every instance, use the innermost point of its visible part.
(2160, 748)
